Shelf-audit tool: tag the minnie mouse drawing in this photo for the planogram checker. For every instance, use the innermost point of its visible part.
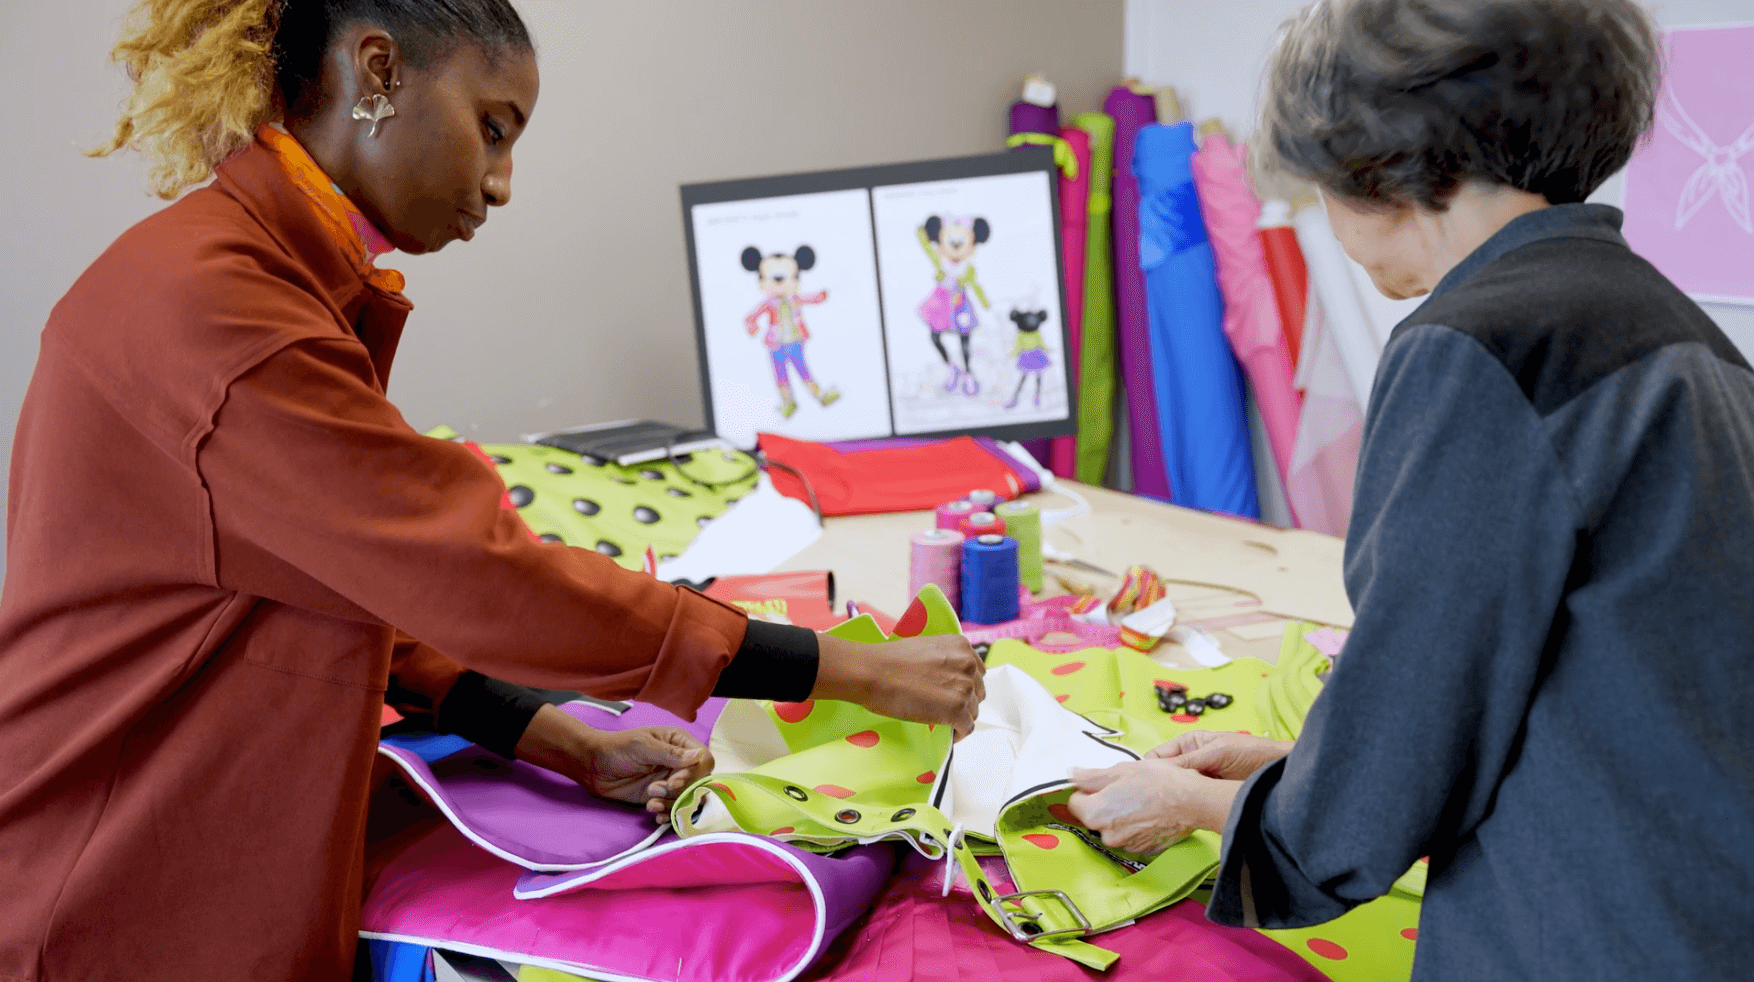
(783, 311)
(950, 242)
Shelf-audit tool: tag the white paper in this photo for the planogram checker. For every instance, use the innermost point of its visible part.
(762, 530)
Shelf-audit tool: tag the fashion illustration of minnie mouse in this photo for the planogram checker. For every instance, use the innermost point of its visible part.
(950, 242)
(783, 310)
(1030, 352)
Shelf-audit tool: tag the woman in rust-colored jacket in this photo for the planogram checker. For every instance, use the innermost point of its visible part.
(223, 538)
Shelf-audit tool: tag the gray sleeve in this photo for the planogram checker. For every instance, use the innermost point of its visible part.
(1463, 537)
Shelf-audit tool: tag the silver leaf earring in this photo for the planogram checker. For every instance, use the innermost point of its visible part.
(375, 108)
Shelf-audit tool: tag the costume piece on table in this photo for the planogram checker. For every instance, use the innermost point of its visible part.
(291, 517)
(1132, 112)
(804, 598)
(719, 907)
(1285, 267)
(1343, 313)
(619, 511)
(1538, 425)
(528, 815)
(1251, 313)
(348, 228)
(904, 476)
(1325, 457)
(1027, 476)
(1096, 368)
(1201, 402)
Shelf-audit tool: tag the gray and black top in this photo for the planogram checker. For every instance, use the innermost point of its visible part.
(1549, 688)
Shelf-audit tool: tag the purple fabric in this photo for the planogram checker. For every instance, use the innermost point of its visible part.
(715, 908)
(532, 816)
(1131, 113)
(1027, 117)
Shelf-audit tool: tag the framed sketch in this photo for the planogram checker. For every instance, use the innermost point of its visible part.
(909, 300)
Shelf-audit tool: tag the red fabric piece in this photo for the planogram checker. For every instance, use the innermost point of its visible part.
(891, 479)
(809, 597)
(1290, 282)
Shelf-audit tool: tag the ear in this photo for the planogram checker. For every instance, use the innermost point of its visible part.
(982, 230)
(752, 259)
(805, 257)
(933, 226)
(1017, 316)
(377, 63)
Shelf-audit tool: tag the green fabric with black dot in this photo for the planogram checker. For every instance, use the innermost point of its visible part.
(618, 511)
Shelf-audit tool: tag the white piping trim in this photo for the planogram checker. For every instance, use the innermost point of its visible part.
(451, 816)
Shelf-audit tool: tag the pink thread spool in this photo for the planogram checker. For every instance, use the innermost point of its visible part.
(981, 523)
(951, 514)
(936, 557)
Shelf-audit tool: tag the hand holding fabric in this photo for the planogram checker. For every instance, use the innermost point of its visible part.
(1227, 756)
(649, 765)
(1148, 805)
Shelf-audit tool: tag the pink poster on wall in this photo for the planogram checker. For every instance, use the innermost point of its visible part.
(1687, 189)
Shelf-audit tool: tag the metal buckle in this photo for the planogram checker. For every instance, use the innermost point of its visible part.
(1006, 916)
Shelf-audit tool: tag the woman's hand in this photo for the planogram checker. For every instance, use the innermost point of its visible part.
(649, 765)
(1229, 756)
(1146, 806)
(935, 679)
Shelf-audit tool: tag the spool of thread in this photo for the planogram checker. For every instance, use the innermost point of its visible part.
(951, 514)
(981, 523)
(989, 580)
(936, 557)
(983, 499)
(1023, 522)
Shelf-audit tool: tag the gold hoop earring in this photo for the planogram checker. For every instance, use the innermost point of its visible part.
(375, 108)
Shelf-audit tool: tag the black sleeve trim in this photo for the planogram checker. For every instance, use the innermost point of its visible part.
(776, 661)
(490, 713)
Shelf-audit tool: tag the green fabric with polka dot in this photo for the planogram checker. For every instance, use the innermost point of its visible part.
(619, 511)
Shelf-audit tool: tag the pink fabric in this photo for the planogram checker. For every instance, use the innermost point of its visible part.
(1251, 310)
(1074, 227)
(915, 935)
(1040, 618)
(1325, 459)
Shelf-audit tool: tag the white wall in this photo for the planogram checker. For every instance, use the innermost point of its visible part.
(1213, 52)
(573, 303)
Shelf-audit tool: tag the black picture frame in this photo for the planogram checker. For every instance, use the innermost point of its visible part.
(1023, 160)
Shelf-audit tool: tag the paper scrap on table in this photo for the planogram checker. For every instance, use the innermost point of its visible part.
(762, 530)
(1327, 640)
(1202, 646)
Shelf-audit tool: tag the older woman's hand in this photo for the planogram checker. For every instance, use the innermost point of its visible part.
(1146, 806)
(1229, 756)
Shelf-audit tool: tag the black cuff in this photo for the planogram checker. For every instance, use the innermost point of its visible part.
(490, 713)
(776, 661)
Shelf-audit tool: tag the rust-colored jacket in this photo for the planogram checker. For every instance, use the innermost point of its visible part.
(215, 518)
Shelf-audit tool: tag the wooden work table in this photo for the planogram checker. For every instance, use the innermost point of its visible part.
(1238, 580)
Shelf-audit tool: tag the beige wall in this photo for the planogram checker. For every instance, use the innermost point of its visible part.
(573, 303)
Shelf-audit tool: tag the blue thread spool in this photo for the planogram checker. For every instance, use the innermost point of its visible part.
(989, 579)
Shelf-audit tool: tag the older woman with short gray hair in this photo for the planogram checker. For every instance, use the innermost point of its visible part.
(1551, 556)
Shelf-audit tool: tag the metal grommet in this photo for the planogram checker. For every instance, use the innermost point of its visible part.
(796, 792)
(1029, 927)
(902, 816)
(986, 894)
(847, 816)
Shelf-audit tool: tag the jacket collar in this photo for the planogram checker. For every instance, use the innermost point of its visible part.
(1572, 221)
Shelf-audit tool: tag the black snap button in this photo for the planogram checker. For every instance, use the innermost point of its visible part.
(1218, 700)
(1194, 707)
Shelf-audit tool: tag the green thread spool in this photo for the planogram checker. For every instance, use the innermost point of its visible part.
(1023, 523)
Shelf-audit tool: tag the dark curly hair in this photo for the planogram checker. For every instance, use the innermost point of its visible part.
(1388, 102)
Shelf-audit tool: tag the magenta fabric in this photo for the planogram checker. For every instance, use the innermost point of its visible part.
(1132, 112)
(1027, 117)
(531, 816)
(1074, 228)
(1251, 312)
(717, 908)
(915, 935)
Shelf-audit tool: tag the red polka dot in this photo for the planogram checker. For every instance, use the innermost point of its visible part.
(1068, 668)
(726, 790)
(1185, 718)
(1043, 841)
(1411, 934)
(928, 777)
(1061, 698)
(1167, 684)
(1327, 949)
(912, 622)
(782, 830)
(793, 712)
(867, 738)
(833, 791)
(931, 726)
(1063, 813)
(1243, 732)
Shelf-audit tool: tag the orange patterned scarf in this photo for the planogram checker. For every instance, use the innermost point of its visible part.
(348, 228)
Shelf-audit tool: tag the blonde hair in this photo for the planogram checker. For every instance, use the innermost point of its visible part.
(203, 74)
